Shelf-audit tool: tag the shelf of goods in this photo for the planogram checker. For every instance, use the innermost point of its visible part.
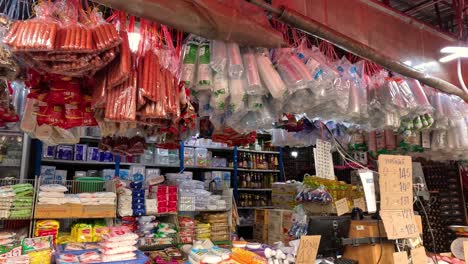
(14, 150)
(256, 168)
(85, 197)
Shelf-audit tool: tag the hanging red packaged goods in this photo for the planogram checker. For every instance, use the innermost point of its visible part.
(63, 39)
(119, 70)
(121, 100)
(99, 91)
(36, 34)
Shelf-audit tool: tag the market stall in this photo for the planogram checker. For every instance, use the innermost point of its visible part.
(253, 143)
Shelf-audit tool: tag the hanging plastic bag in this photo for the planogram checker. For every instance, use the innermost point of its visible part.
(204, 75)
(236, 68)
(254, 83)
(270, 76)
(219, 56)
(189, 62)
(220, 91)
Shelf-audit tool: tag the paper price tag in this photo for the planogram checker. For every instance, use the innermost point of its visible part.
(342, 206)
(360, 203)
(307, 251)
(418, 255)
(396, 182)
(399, 224)
(400, 258)
(465, 249)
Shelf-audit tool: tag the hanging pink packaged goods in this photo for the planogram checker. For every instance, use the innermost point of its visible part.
(119, 70)
(253, 78)
(236, 68)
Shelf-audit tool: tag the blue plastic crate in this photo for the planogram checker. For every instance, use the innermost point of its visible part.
(141, 257)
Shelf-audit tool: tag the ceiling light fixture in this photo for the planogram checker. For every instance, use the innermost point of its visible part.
(453, 53)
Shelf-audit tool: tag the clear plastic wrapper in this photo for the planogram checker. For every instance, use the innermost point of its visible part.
(219, 56)
(121, 100)
(254, 83)
(119, 70)
(204, 75)
(236, 68)
(270, 76)
(422, 102)
(220, 91)
(189, 63)
(294, 71)
(36, 34)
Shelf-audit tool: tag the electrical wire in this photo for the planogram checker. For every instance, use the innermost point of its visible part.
(381, 242)
(434, 248)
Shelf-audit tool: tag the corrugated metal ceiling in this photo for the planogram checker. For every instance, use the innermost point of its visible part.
(438, 13)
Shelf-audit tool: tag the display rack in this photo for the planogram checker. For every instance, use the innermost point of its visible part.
(15, 153)
(19, 221)
(116, 164)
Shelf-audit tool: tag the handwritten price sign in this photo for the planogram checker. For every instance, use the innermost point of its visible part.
(308, 247)
(399, 223)
(396, 182)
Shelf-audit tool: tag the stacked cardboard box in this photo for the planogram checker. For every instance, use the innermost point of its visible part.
(260, 229)
(279, 223)
(284, 195)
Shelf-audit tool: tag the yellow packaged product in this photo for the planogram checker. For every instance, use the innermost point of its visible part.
(83, 232)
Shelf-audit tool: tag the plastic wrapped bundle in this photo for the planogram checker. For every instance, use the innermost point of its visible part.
(189, 62)
(204, 107)
(220, 91)
(423, 105)
(270, 76)
(219, 56)
(254, 83)
(236, 68)
(237, 101)
(292, 70)
(407, 97)
(204, 76)
(357, 108)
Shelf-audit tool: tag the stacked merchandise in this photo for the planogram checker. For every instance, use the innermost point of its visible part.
(38, 249)
(202, 231)
(206, 252)
(47, 228)
(167, 255)
(124, 201)
(22, 202)
(154, 233)
(88, 231)
(219, 223)
(138, 199)
(10, 250)
(16, 201)
(193, 197)
(99, 198)
(118, 244)
(165, 197)
(52, 194)
(186, 230)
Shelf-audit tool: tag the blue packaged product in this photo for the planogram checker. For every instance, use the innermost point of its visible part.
(138, 206)
(80, 152)
(106, 156)
(139, 212)
(138, 193)
(124, 175)
(136, 185)
(93, 154)
(138, 200)
(64, 152)
(48, 151)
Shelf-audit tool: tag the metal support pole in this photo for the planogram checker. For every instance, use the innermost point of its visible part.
(181, 156)
(281, 168)
(235, 180)
(37, 161)
(117, 165)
